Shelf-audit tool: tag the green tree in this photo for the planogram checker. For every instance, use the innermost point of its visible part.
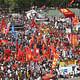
(10, 3)
(26, 4)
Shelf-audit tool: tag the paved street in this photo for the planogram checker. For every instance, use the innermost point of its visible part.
(75, 79)
(71, 79)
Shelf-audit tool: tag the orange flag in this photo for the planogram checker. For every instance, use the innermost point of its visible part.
(75, 21)
(79, 50)
(76, 40)
(73, 42)
(37, 39)
(70, 38)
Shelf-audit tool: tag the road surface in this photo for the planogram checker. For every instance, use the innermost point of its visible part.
(78, 78)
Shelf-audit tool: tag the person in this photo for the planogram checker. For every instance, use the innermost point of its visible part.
(48, 38)
(64, 75)
(67, 76)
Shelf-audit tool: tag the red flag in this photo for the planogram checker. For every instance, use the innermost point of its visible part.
(41, 34)
(16, 54)
(43, 7)
(48, 40)
(36, 24)
(55, 60)
(20, 53)
(45, 54)
(23, 59)
(70, 38)
(7, 59)
(29, 54)
(48, 53)
(31, 41)
(67, 12)
(38, 40)
(53, 49)
(32, 23)
(3, 24)
(43, 48)
(75, 51)
(42, 25)
(17, 46)
(14, 67)
(36, 53)
(4, 41)
(55, 30)
(75, 21)
(7, 52)
(1, 58)
(71, 2)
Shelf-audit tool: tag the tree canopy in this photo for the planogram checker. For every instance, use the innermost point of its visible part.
(26, 4)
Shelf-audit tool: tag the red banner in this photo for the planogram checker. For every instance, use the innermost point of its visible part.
(67, 12)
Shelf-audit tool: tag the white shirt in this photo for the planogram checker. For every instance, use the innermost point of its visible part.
(63, 53)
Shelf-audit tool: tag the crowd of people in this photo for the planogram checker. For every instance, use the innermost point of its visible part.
(28, 54)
